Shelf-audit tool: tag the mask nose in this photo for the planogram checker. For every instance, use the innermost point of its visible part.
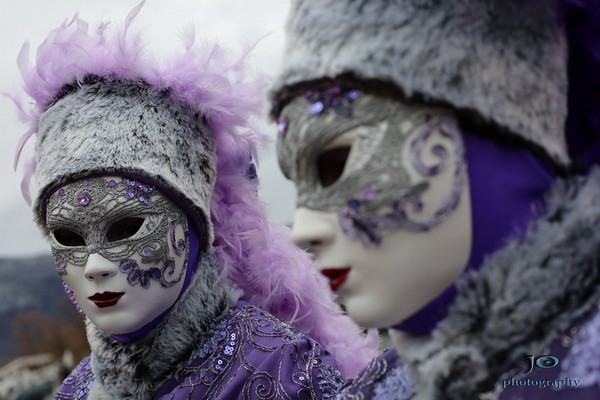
(97, 268)
(313, 229)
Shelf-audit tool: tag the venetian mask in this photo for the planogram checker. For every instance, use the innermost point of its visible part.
(121, 247)
(383, 198)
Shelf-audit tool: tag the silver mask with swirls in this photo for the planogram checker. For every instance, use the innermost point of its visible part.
(122, 220)
(375, 192)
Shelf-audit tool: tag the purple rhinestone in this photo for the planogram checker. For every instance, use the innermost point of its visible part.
(316, 108)
(144, 200)
(138, 186)
(130, 192)
(129, 182)
(352, 95)
(282, 125)
(84, 199)
(368, 193)
(354, 204)
(85, 182)
(309, 94)
(61, 192)
(111, 183)
(60, 264)
(333, 90)
(148, 251)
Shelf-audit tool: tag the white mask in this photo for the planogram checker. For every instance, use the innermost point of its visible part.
(121, 247)
(383, 201)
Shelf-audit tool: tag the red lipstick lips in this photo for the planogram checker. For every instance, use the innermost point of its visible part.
(106, 299)
(336, 276)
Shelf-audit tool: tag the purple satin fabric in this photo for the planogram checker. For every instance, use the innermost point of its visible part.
(250, 355)
(193, 258)
(507, 189)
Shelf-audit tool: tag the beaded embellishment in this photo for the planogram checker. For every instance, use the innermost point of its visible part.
(395, 149)
(90, 207)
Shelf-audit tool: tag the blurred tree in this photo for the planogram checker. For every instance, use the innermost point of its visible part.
(37, 332)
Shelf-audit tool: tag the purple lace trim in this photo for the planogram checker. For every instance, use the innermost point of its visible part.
(385, 378)
(78, 384)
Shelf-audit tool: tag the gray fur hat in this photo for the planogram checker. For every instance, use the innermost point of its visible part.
(502, 62)
(127, 128)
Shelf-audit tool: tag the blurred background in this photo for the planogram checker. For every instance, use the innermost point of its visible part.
(41, 335)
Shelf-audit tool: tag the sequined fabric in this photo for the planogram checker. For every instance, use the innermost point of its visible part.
(78, 384)
(385, 378)
(583, 359)
(251, 355)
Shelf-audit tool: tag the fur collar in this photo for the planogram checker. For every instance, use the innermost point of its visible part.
(136, 370)
(527, 293)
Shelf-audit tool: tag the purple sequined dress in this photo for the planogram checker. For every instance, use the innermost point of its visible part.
(251, 355)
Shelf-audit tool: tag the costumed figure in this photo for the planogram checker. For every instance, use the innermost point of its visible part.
(146, 189)
(434, 147)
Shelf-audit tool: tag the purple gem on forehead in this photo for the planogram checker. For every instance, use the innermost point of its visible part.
(111, 183)
(353, 95)
(316, 108)
(61, 192)
(148, 251)
(83, 199)
(333, 90)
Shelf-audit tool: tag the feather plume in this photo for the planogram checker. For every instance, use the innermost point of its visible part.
(256, 256)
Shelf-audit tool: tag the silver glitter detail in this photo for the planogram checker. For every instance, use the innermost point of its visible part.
(111, 204)
(378, 131)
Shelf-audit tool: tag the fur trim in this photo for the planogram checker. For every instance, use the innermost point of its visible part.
(255, 256)
(504, 59)
(525, 295)
(127, 129)
(136, 370)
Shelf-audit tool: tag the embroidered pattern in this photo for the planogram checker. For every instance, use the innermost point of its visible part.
(396, 385)
(583, 360)
(382, 379)
(267, 358)
(78, 384)
(250, 355)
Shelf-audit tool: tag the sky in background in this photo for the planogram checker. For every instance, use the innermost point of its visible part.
(231, 22)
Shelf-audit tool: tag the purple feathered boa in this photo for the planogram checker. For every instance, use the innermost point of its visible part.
(256, 256)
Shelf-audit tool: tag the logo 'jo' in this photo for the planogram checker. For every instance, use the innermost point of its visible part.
(542, 362)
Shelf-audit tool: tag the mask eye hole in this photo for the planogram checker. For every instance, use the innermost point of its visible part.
(331, 164)
(67, 237)
(124, 228)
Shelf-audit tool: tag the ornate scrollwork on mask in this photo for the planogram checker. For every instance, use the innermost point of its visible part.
(90, 209)
(368, 226)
